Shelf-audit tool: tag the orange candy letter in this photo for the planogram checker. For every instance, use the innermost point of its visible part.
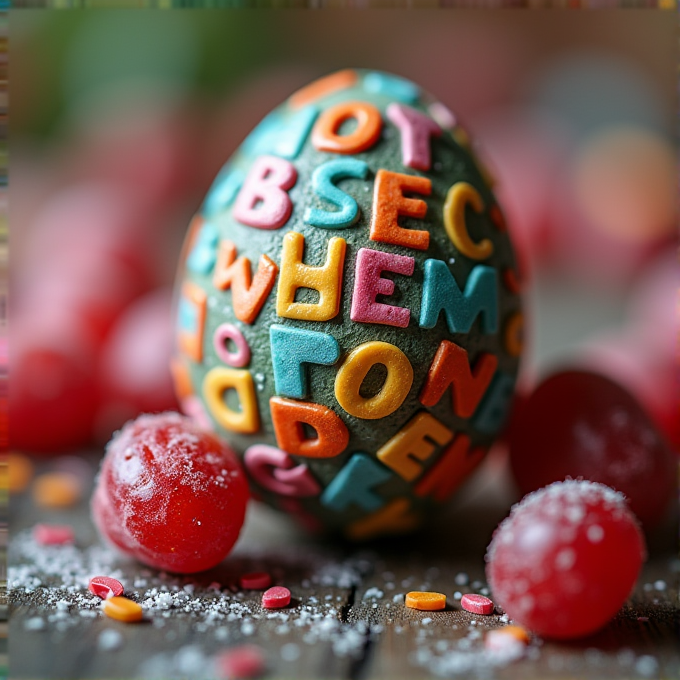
(389, 202)
(325, 135)
(247, 294)
(288, 416)
(450, 367)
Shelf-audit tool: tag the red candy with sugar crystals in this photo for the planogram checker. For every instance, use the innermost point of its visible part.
(53, 534)
(105, 587)
(258, 580)
(276, 598)
(565, 560)
(477, 604)
(581, 424)
(170, 494)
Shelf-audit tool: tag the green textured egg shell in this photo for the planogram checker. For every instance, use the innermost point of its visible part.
(451, 162)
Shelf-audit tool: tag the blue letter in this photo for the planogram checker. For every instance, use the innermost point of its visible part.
(352, 485)
(440, 291)
(291, 347)
(322, 182)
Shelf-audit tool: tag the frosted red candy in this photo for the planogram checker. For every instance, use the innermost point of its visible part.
(477, 604)
(246, 661)
(105, 587)
(565, 560)
(581, 424)
(276, 598)
(170, 494)
(258, 580)
(53, 534)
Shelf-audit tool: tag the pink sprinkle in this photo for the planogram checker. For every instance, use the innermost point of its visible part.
(53, 534)
(105, 587)
(258, 580)
(477, 604)
(276, 598)
(246, 661)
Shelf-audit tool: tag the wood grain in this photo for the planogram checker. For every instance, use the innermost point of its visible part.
(347, 618)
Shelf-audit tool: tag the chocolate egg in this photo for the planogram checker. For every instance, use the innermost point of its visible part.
(348, 310)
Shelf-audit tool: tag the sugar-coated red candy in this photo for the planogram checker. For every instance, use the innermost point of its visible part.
(477, 604)
(105, 587)
(581, 424)
(565, 560)
(276, 598)
(170, 494)
(244, 661)
(257, 580)
(53, 534)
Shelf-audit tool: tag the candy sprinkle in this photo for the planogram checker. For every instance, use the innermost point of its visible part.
(122, 609)
(426, 601)
(56, 490)
(20, 472)
(258, 580)
(477, 604)
(105, 587)
(245, 661)
(53, 534)
(276, 598)
(506, 641)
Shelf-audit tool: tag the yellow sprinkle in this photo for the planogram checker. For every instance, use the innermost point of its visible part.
(122, 609)
(425, 601)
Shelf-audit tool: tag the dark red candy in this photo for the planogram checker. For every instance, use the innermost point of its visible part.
(581, 424)
(170, 494)
(566, 559)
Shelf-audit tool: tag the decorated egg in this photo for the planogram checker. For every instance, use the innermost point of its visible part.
(348, 314)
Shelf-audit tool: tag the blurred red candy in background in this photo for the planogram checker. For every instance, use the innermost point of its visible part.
(114, 150)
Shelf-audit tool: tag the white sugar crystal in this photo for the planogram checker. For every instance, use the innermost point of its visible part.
(373, 592)
(565, 559)
(290, 652)
(109, 639)
(34, 623)
(461, 579)
(647, 665)
(595, 533)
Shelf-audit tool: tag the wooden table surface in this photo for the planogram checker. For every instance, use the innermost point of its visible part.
(347, 618)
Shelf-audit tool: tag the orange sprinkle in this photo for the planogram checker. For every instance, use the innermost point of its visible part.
(122, 609)
(425, 600)
(322, 87)
(517, 632)
(20, 472)
(56, 490)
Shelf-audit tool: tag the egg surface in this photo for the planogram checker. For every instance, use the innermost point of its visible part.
(348, 314)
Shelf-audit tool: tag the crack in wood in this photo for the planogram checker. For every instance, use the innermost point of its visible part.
(358, 668)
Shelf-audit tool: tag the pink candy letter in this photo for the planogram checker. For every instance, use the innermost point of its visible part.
(263, 201)
(415, 128)
(273, 469)
(368, 284)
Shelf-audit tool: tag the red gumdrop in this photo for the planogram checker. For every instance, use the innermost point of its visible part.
(134, 374)
(54, 397)
(581, 424)
(566, 559)
(170, 494)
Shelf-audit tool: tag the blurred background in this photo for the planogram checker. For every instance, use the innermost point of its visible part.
(121, 119)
